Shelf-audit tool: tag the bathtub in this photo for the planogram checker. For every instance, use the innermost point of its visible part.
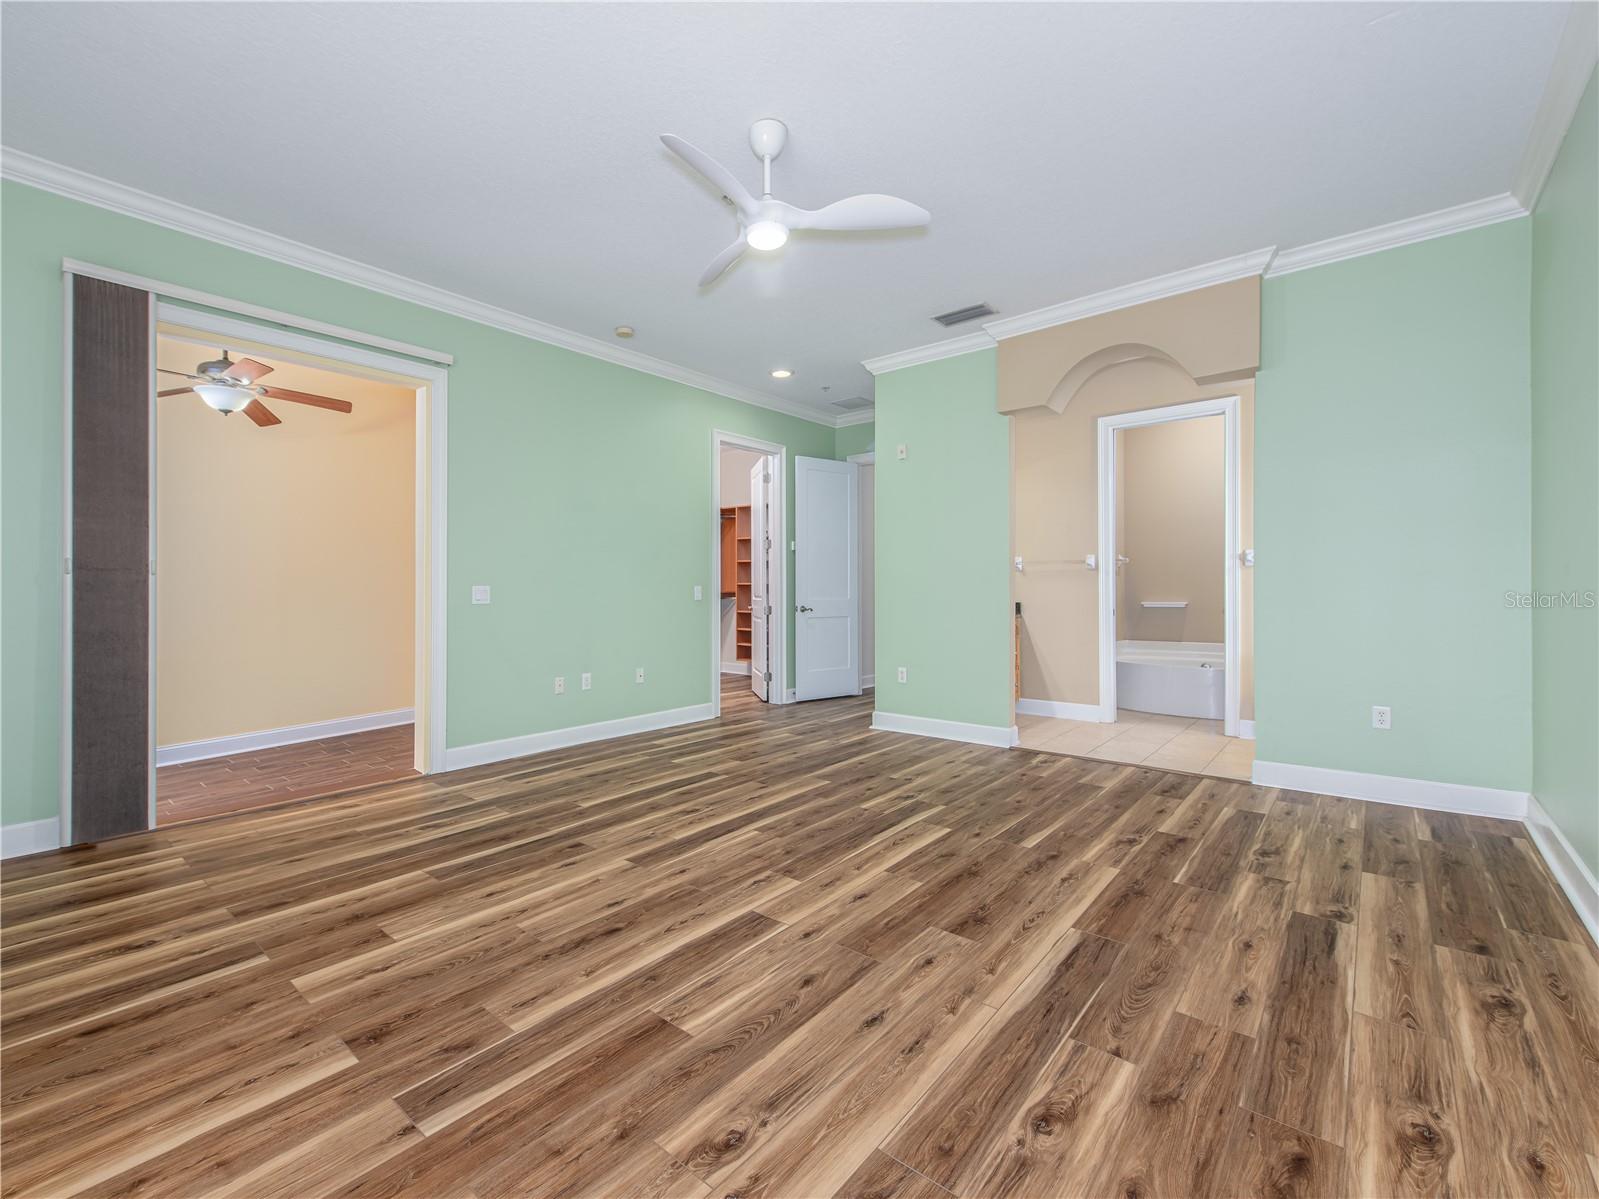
(1174, 678)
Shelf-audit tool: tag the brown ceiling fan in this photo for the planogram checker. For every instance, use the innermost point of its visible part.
(229, 386)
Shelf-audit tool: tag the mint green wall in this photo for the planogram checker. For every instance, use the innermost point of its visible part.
(580, 490)
(943, 543)
(1565, 485)
(853, 439)
(1392, 426)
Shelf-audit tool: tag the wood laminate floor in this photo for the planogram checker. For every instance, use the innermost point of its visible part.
(782, 955)
(282, 774)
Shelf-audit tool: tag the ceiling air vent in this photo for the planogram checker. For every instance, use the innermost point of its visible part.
(853, 404)
(961, 315)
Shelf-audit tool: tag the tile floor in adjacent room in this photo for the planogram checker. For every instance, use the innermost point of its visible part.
(1164, 742)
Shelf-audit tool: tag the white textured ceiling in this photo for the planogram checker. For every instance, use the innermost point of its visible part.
(509, 152)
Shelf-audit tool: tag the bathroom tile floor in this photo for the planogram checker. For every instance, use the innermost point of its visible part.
(1144, 738)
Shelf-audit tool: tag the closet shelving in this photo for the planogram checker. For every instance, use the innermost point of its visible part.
(737, 563)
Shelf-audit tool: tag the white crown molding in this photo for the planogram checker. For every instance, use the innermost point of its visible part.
(1224, 270)
(1568, 79)
(917, 355)
(1398, 233)
(864, 417)
(29, 169)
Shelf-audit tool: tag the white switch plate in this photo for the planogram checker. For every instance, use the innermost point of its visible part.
(560, 684)
(638, 675)
(588, 681)
(1382, 718)
(902, 674)
(699, 592)
(899, 452)
(480, 593)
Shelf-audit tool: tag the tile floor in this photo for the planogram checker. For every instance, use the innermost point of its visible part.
(1166, 742)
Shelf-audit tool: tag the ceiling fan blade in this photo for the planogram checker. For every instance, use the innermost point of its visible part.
(305, 397)
(261, 414)
(722, 261)
(869, 211)
(249, 370)
(172, 391)
(719, 175)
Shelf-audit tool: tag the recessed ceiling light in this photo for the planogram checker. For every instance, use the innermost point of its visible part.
(782, 372)
(624, 330)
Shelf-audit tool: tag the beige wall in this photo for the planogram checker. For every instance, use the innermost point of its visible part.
(736, 466)
(1054, 521)
(1172, 519)
(285, 580)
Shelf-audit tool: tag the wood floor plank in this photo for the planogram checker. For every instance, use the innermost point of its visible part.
(1299, 1073)
(781, 954)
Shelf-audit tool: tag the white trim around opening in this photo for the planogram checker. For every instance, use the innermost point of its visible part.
(778, 691)
(1109, 426)
(431, 386)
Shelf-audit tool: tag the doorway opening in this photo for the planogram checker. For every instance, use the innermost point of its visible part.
(749, 584)
(285, 647)
(1169, 582)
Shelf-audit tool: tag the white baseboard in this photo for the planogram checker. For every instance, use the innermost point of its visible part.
(947, 730)
(791, 696)
(294, 734)
(1387, 788)
(461, 756)
(1058, 709)
(32, 836)
(1570, 871)
(868, 681)
(1246, 729)
(735, 667)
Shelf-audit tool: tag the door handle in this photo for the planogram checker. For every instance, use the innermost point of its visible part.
(803, 608)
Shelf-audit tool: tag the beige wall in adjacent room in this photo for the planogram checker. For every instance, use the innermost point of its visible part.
(736, 467)
(1173, 521)
(285, 584)
(1054, 521)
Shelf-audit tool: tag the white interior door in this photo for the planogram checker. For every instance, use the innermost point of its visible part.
(827, 584)
(760, 578)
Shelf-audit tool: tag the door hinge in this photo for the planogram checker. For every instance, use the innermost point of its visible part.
(768, 609)
(69, 565)
(767, 675)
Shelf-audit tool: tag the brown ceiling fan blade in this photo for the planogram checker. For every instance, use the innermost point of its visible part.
(305, 397)
(172, 391)
(249, 370)
(260, 414)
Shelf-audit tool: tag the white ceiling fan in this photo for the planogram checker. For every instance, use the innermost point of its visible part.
(766, 223)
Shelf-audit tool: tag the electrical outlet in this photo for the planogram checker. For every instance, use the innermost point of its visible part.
(1382, 718)
(638, 675)
(902, 674)
(588, 681)
(699, 592)
(560, 684)
(480, 593)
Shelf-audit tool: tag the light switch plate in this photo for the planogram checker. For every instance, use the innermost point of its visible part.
(560, 684)
(899, 452)
(480, 593)
(588, 681)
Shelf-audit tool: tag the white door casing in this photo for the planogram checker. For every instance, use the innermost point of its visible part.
(827, 587)
(760, 590)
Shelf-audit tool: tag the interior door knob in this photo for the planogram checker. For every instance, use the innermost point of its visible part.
(804, 608)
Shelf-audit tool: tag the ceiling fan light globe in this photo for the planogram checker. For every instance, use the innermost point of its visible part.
(223, 398)
(766, 235)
